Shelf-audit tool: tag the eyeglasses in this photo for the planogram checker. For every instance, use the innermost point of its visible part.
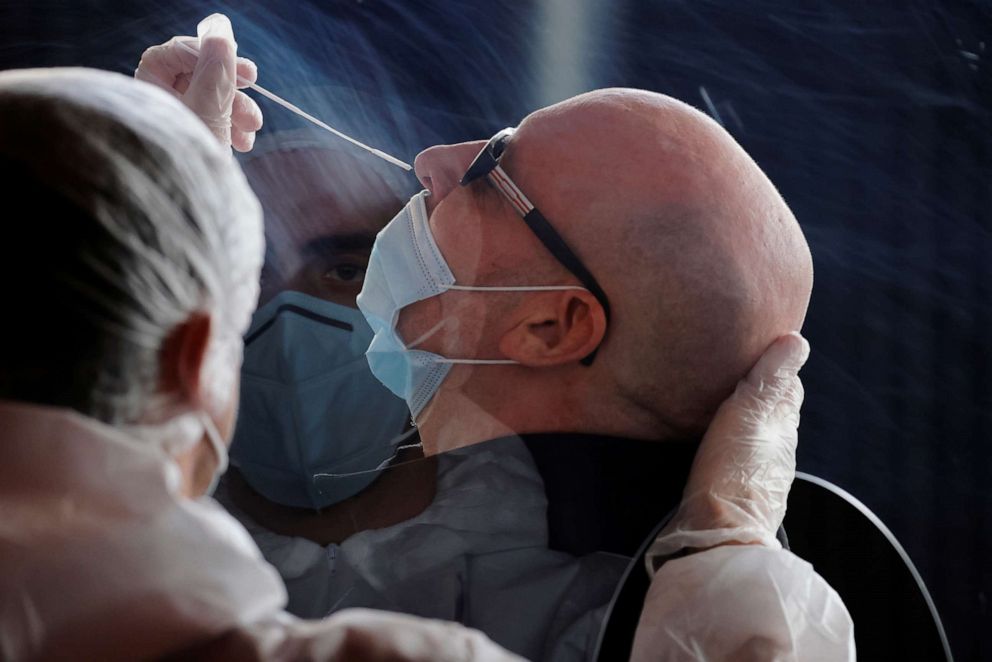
(487, 164)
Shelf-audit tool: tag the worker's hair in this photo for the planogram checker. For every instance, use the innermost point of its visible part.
(124, 217)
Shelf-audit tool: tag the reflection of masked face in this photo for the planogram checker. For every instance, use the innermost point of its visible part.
(406, 266)
(310, 406)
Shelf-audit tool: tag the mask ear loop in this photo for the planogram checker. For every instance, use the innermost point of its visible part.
(382, 465)
(514, 288)
(219, 447)
(480, 288)
(428, 334)
(402, 447)
(437, 327)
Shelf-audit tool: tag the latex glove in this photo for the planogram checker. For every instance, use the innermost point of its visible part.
(740, 479)
(208, 84)
(745, 603)
(388, 637)
(352, 635)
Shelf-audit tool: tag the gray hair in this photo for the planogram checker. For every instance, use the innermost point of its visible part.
(130, 218)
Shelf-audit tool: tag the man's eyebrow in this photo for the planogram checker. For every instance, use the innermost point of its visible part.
(335, 243)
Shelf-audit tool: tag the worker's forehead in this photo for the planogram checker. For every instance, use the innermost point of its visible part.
(303, 169)
(313, 192)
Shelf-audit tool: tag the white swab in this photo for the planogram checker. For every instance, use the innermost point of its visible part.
(307, 116)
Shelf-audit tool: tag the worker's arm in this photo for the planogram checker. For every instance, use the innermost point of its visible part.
(722, 586)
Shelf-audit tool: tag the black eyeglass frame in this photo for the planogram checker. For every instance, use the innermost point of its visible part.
(487, 164)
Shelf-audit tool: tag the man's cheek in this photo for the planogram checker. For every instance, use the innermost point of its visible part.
(465, 330)
(421, 325)
(460, 235)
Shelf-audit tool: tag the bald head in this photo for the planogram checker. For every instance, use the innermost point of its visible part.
(702, 258)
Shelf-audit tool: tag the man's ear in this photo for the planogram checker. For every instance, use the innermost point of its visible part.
(181, 359)
(555, 328)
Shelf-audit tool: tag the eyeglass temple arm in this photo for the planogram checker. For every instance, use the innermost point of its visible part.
(557, 246)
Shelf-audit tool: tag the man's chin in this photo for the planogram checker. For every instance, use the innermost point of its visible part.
(452, 420)
(428, 437)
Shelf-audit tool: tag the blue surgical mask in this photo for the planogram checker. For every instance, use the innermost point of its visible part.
(406, 266)
(314, 426)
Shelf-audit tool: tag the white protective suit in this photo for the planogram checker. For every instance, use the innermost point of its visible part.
(101, 558)
(485, 502)
(743, 602)
(477, 555)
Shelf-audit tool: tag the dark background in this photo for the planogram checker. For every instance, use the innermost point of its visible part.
(874, 121)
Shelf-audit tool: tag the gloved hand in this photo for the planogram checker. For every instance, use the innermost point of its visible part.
(207, 83)
(352, 635)
(741, 476)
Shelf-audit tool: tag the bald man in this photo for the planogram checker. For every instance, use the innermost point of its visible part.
(663, 265)
(597, 282)
(702, 261)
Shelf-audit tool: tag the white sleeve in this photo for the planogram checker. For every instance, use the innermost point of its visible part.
(742, 602)
(350, 635)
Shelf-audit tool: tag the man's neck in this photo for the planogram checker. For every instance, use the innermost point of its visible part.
(455, 420)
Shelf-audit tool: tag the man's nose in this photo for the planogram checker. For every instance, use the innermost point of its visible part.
(440, 168)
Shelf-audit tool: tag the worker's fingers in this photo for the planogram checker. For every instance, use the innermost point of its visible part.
(162, 64)
(757, 426)
(241, 140)
(779, 364)
(770, 395)
(212, 85)
(379, 635)
(246, 115)
(247, 72)
(182, 83)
